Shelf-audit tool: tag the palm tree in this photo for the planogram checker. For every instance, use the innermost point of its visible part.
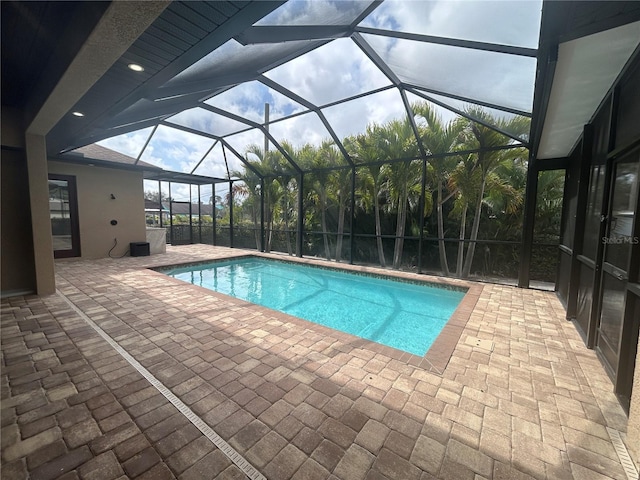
(439, 138)
(549, 204)
(318, 161)
(505, 199)
(478, 136)
(249, 191)
(398, 142)
(267, 163)
(327, 156)
(463, 180)
(285, 184)
(284, 179)
(365, 149)
(341, 190)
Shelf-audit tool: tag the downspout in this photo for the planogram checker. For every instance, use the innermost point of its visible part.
(262, 232)
(214, 222)
(231, 214)
(352, 247)
(421, 208)
(300, 227)
(170, 216)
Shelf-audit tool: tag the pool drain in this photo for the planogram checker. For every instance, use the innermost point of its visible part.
(623, 454)
(479, 343)
(248, 469)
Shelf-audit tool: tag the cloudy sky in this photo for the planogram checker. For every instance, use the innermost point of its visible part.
(340, 70)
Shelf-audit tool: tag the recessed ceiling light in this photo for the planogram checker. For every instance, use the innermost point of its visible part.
(135, 67)
(77, 114)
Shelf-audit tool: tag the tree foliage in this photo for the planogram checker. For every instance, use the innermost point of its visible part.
(474, 186)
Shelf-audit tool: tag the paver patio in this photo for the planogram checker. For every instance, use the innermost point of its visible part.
(297, 401)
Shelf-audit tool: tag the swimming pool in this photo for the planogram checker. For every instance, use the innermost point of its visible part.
(400, 314)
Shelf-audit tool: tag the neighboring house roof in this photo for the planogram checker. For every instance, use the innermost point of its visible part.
(98, 152)
(178, 208)
(58, 205)
(153, 205)
(106, 157)
(183, 209)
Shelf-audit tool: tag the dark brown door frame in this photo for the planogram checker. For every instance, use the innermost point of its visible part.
(74, 251)
(623, 382)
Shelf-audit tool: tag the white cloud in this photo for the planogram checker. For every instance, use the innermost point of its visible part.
(241, 141)
(509, 22)
(301, 130)
(491, 77)
(214, 164)
(247, 100)
(129, 143)
(497, 78)
(207, 122)
(314, 12)
(353, 117)
(175, 149)
(244, 100)
(332, 72)
(156, 160)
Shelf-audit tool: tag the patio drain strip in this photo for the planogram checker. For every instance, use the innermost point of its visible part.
(623, 454)
(248, 469)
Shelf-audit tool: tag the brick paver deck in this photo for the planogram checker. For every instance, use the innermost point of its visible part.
(297, 401)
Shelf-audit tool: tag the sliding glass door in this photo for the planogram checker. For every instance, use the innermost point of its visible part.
(618, 243)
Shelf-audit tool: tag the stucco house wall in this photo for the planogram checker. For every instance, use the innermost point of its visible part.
(17, 268)
(96, 208)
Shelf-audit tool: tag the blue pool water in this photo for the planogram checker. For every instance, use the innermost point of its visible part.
(406, 316)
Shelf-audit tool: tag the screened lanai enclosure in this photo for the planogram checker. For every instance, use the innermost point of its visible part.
(351, 131)
(487, 140)
(388, 133)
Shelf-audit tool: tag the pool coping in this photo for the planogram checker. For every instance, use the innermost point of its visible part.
(435, 359)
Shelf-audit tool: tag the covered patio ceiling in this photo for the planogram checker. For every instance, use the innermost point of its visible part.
(328, 69)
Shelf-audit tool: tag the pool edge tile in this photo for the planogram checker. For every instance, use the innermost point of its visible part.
(435, 359)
